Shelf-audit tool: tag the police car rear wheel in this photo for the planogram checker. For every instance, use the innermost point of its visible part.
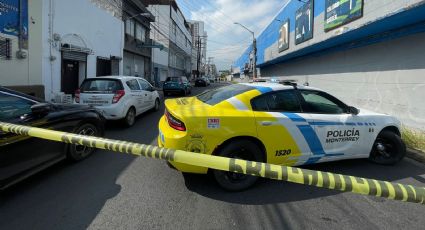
(240, 149)
(388, 148)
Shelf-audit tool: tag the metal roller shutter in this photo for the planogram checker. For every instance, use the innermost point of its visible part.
(74, 56)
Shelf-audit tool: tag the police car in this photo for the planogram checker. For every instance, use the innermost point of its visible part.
(278, 123)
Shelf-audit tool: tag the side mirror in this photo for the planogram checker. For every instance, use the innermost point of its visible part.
(353, 110)
(41, 109)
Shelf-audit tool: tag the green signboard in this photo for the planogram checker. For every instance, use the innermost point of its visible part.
(340, 12)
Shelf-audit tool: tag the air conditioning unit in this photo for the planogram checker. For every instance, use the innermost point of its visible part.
(61, 97)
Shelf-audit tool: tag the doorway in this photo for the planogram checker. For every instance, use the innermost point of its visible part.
(103, 67)
(70, 76)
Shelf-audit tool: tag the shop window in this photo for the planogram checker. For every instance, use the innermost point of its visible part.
(140, 33)
(5, 48)
(129, 27)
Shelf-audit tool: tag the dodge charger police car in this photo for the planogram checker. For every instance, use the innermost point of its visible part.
(276, 123)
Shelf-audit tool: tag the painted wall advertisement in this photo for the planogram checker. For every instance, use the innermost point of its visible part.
(9, 18)
(340, 12)
(283, 42)
(304, 20)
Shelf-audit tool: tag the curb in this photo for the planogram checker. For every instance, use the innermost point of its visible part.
(415, 155)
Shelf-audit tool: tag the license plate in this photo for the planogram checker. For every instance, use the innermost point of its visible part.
(89, 102)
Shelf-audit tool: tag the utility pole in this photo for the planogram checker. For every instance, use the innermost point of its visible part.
(198, 56)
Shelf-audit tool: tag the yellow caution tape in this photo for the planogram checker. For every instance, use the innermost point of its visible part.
(320, 179)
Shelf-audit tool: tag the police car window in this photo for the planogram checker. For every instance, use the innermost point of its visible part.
(12, 107)
(218, 95)
(319, 102)
(281, 101)
(133, 85)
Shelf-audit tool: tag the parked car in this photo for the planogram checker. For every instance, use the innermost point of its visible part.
(283, 124)
(202, 81)
(22, 156)
(118, 97)
(178, 85)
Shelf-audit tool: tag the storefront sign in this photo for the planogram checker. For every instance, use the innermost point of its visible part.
(283, 42)
(340, 12)
(304, 20)
(9, 18)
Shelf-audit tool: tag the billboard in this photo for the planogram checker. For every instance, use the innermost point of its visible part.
(283, 42)
(340, 12)
(304, 20)
(9, 18)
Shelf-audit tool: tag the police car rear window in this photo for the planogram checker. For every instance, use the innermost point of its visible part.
(218, 95)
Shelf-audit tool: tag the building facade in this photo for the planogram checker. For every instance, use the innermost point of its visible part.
(138, 45)
(171, 31)
(368, 53)
(59, 48)
(199, 48)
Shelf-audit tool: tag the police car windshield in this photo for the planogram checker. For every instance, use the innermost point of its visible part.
(218, 95)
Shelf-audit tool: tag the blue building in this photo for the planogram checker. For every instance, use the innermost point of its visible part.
(369, 53)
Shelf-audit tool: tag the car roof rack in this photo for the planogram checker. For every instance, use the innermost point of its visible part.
(289, 82)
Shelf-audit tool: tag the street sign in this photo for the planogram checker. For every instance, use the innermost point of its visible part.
(283, 42)
(340, 12)
(304, 20)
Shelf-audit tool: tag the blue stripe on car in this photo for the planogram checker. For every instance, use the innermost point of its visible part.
(262, 89)
(294, 117)
(312, 160)
(312, 140)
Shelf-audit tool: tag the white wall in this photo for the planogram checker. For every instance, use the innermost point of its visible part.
(387, 77)
(102, 32)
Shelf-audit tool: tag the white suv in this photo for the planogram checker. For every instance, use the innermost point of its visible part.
(118, 97)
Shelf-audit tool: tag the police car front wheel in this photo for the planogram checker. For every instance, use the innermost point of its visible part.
(239, 149)
(388, 148)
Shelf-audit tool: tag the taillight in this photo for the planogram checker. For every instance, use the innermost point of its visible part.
(174, 122)
(77, 95)
(118, 95)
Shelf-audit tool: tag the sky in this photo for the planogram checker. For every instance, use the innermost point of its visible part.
(227, 41)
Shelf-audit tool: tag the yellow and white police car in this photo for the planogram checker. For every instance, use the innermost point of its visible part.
(275, 123)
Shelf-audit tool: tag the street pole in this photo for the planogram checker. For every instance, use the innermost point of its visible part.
(254, 48)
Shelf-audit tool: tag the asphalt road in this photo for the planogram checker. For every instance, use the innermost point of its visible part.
(117, 191)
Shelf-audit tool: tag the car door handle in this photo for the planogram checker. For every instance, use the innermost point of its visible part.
(266, 123)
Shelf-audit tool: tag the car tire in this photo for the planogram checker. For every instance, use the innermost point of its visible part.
(184, 92)
(79, 152)
(130, 117)
(241, 149)
(156, 106)
(388, 148)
